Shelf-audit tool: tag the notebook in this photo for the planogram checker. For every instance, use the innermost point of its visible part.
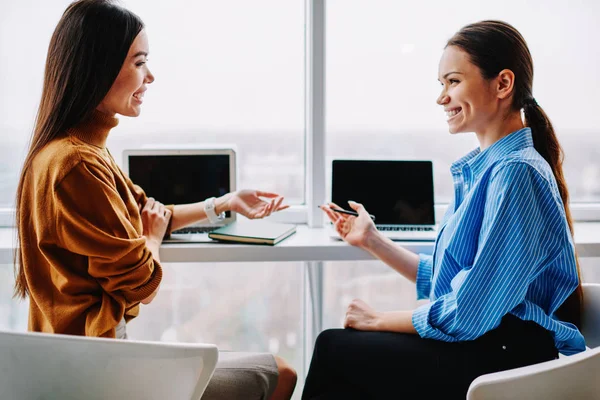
(253, 231)
(182, 176)
(398, 193)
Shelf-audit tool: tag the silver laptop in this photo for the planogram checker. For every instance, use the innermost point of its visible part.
(182, 176)
(403, 205)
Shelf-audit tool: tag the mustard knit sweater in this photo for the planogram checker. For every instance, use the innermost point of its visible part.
(85, 260)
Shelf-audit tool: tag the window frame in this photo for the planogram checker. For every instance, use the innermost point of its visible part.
(315, 135)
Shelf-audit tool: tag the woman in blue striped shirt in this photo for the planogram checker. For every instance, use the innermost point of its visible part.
(503, 281)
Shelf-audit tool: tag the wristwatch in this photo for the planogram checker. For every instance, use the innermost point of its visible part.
(209, 209)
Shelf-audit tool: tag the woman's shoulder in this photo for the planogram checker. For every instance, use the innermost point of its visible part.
(59, 157)
(526, 163)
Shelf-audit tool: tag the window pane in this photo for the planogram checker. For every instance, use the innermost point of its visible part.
(237, 306)
(382, 61)
(13, 313)
(227, 72)
(371, 281)
(25, 30)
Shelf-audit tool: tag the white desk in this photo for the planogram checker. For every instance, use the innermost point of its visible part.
(308, 244)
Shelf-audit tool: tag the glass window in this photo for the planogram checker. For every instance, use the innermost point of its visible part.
(237, 306)
(13, 313)
(227, 72)
(371, 281)
(382, 65)
(25, 31)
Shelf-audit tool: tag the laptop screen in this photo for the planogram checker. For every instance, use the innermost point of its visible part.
(395, 192)
(181, 178)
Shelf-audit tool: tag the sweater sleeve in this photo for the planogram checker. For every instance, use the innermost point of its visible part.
(92, 220)
(141, 198)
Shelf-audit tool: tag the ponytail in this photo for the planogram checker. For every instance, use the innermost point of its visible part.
(546, 143)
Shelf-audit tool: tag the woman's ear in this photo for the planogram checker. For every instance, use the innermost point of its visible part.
(505, 83)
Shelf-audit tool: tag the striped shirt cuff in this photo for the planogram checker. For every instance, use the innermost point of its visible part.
(420, 320)
(424, 273)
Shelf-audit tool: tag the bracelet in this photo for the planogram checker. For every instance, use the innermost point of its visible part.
(209, 209)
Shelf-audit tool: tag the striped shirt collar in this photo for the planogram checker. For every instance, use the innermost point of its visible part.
(478, 161)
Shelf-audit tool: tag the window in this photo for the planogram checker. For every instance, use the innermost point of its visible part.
(226, 72)
(13, 313)
(382, 61)
(237, 306)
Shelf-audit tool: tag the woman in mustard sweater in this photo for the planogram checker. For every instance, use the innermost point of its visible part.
(89, 237)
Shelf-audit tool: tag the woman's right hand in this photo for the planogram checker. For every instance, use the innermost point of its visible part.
(354, 230)
(155, 219)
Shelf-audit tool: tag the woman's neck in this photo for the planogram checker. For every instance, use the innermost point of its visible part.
(94, 130)
(501, 128)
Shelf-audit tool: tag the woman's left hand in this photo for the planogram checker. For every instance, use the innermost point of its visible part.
(250, 204)
(362, 317)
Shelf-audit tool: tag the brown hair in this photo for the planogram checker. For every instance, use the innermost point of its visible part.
(493, 46)
(86, 52)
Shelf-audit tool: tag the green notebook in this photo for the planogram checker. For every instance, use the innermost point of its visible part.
(253, 231)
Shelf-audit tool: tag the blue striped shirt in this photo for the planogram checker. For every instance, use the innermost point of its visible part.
(504, 246)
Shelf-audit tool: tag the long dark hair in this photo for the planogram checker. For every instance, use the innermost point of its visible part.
(493, 46)
(86, 52)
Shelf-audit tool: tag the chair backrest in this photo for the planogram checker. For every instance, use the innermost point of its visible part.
(51, 366)
(591, 314)
(573, 377)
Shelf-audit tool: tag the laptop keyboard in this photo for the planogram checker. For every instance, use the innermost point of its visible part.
(196, 229)
(406, 228)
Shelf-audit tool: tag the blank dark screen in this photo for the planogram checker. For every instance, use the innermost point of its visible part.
(395, 192)
(181, 179)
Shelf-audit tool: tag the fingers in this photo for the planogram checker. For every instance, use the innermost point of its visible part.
(347, 321)
(341, 227)
(156, 207)
(333, 217)
(277, 204)
(349, 318)
(149, 204)
(269, 207)
(356, 206)
(266, 194)
(333, 205)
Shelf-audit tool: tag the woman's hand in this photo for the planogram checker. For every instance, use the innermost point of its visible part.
(250, 204)
(354, 230)
(155, 219)
(362, 317)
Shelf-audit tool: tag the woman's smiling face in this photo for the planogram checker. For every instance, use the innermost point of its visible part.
(126, 94)
(468, 99)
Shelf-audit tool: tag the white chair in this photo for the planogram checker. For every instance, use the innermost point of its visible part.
(572, 377)
(44, 366)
